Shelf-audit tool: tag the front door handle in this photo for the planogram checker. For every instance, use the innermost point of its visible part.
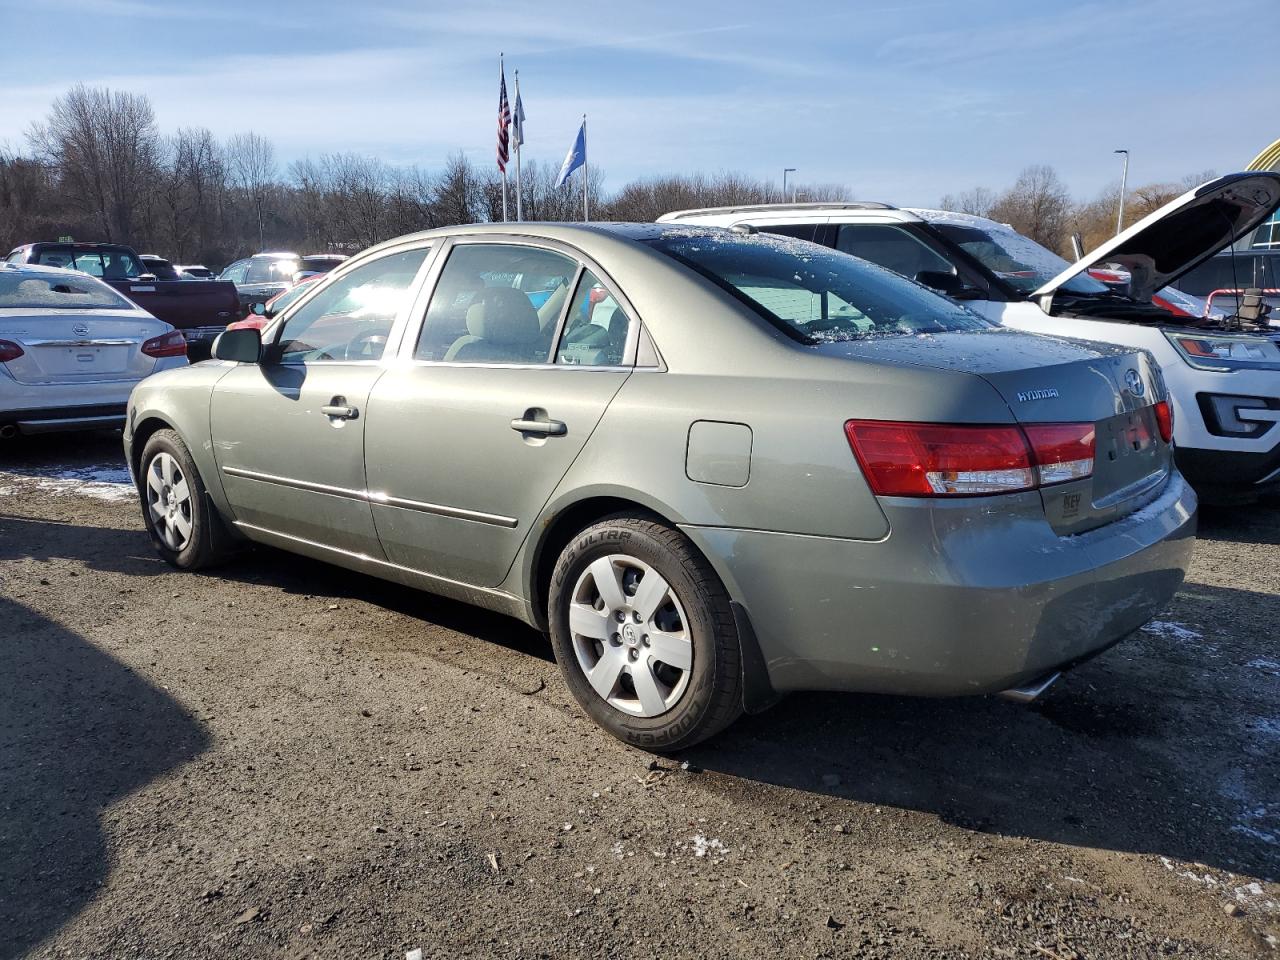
(542, 428)
(338, 409)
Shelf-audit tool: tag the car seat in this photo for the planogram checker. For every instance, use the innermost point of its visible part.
(502, 326)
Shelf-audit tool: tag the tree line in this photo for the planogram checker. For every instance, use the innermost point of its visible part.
(97, 167)
(1039, 206)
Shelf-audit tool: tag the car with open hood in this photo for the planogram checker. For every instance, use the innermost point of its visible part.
(715, 467)
(1222, 371)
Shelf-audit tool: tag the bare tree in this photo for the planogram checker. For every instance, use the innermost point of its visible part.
(979, 201)
(104, 146)
(1037, 206)
(251, 160)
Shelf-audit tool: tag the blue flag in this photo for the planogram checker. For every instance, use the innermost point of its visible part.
(576, 157)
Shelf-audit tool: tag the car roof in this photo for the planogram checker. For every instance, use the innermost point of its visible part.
(275, 255)
(801, 208)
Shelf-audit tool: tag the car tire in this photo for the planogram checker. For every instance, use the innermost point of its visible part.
(623, 655)
(184, 527)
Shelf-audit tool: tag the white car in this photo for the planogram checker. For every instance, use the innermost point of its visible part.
(1223, 373)
(72, 349)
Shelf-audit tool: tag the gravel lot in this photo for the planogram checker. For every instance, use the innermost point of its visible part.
(284, 759)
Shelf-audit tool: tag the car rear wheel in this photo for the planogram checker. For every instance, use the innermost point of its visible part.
(184, 527)
(644, 634)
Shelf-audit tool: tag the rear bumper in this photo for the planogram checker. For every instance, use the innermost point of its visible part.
(1230, 470)
(958, 599)
(60, 419)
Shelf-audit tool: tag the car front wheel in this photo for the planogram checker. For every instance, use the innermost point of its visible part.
(185, 529)
(644, 634)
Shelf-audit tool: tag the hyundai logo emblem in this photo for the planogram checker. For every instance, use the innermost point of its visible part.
(1133, 381)
(80, 329)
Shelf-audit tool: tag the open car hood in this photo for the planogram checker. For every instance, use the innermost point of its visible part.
(1182, 234)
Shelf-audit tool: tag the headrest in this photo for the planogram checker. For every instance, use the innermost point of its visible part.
(503, 315)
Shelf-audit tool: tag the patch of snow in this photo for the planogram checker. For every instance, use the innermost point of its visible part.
(1266, 666)
(704, 845)
(101, 482)
(1168, 630)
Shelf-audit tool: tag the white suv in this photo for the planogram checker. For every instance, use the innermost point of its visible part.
(1223, 373)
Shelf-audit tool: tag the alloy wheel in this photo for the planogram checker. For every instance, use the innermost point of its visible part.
(630, 636)
(169, 501)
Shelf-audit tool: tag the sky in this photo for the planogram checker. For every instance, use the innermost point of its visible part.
(902, 102)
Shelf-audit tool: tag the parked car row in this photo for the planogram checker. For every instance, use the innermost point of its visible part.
(742, 451)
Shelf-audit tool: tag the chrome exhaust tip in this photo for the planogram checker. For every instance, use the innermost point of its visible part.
(1032, 690)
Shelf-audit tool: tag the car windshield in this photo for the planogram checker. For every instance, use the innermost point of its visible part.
(272, 270)
(1018, 260)
(813, 293)
(25, 291)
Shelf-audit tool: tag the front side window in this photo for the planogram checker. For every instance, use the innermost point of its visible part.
(496, 303)
(814, 294)
(47, 291)
(595, 331)
(350, 320)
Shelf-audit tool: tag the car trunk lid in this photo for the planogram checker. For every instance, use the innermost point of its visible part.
(1047, 380)
(57, 348)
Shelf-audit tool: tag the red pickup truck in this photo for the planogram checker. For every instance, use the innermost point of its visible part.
(200, 309)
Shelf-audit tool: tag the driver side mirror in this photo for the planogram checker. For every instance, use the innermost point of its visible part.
(241, 346)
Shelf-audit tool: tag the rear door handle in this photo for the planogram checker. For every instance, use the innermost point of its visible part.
(338, 409)
(542, 428)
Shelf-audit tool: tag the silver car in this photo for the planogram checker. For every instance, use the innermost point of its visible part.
(71, 349)
(715, 466)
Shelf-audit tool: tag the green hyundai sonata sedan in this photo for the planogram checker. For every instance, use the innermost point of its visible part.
(714, 466)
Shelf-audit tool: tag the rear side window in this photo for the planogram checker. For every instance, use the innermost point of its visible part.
(595, 332)
(814, 294)
(496, 303)
(42, 292)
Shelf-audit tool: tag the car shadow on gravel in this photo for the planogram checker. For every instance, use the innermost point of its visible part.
(78, 731)
(1255, 523)
(108, 549)
(1164, 745)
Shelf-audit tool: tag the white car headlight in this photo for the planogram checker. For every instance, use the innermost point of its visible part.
(1216, 352)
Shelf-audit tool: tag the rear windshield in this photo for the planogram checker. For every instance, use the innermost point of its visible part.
(1018, 260)
(815, 294)
(23, 291)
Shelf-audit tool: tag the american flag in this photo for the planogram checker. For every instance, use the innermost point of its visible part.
(504, 121)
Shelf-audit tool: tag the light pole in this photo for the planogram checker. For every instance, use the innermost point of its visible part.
(1124, 180)
(785, 171)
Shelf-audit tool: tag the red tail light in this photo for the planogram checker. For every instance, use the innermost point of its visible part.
(960, 460)
(1164, 420)
(9, 351)
(171, 344)
(1062, 451)
(940, 460)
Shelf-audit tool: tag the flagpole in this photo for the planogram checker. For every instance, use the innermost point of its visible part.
(503, 75)
(585, 173)
(519, 137)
